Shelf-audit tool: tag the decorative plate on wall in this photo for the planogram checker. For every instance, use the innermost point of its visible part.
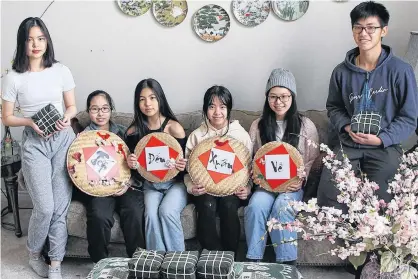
(134, 7)
(251, 12)
(169, 13)
(289, 10)
(211, 23)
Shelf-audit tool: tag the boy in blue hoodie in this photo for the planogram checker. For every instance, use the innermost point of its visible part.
(372, 104)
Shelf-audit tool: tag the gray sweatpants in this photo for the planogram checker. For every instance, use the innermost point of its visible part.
(49, 186)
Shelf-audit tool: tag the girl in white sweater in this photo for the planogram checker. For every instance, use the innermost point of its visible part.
(217, 107)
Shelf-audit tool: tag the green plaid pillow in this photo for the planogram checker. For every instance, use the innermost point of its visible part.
(179, 265)
(215, 265)
(110, 268)
(145, 264)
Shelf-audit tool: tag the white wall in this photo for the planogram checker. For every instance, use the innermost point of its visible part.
(109, 50)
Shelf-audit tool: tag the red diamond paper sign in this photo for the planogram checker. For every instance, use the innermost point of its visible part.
(277, 166)
(154, 156)
(220, 162)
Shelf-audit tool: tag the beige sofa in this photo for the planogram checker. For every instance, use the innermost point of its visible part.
(310, 252)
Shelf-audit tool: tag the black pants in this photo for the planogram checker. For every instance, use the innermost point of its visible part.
(208, 209)
(130, 207)
(379, 164)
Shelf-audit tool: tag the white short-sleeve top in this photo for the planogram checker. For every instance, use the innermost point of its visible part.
(31, 91)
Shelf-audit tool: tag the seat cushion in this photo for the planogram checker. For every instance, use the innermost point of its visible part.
(77, 222)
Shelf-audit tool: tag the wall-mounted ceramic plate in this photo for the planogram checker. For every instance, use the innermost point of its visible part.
(289, 10)
(251, 12)
(169, 13)
(211, 23)
(134, 7)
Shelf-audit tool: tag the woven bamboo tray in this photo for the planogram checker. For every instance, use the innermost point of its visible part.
(215, 183)
(277, 148)
(155, 140)
(96, 163)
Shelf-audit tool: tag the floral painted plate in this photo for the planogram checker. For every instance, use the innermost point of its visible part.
(169, 13)
(251, 12)
(289, 10)
(134, 7)
(211, 23)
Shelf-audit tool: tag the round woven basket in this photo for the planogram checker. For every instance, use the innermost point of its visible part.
(153, 140)
(217, 184)
(84, 157)
(273, 148)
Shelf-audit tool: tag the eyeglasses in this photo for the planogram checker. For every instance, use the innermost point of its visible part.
(283, 98)
(369, 29)
(95, 110)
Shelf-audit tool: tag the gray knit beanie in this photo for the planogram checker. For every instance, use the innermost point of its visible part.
(282, 78)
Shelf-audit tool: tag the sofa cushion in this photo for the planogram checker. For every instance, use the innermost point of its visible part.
(190, 121)
(77, 222)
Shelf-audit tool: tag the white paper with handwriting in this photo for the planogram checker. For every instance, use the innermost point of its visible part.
(277, 166)
(156, 158)
(221, 161)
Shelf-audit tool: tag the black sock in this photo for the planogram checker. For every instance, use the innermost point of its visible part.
(253, 260)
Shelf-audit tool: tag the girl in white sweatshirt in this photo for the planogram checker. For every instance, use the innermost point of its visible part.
(217, 107)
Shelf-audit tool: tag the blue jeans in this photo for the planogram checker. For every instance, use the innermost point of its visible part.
(263, 206)
(164, 203)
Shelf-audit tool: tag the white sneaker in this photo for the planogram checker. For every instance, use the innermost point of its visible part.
(37, 263)
(54, 272)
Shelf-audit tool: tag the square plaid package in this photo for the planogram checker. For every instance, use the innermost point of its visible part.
(45, 118)
(215, 265)
(366, 122)
(145, 264)
(179, 265)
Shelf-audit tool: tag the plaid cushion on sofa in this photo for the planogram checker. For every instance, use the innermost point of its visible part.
(145, 264)
(179, 265)
(215, 265)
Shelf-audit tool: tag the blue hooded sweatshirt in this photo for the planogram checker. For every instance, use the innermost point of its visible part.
(390, 91)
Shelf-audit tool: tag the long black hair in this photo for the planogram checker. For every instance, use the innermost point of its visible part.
(224, 97)
(140, 120)
(268, 125)
(100, 93)
(21, 60)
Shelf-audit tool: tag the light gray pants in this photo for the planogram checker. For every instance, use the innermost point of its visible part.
(49, 186)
